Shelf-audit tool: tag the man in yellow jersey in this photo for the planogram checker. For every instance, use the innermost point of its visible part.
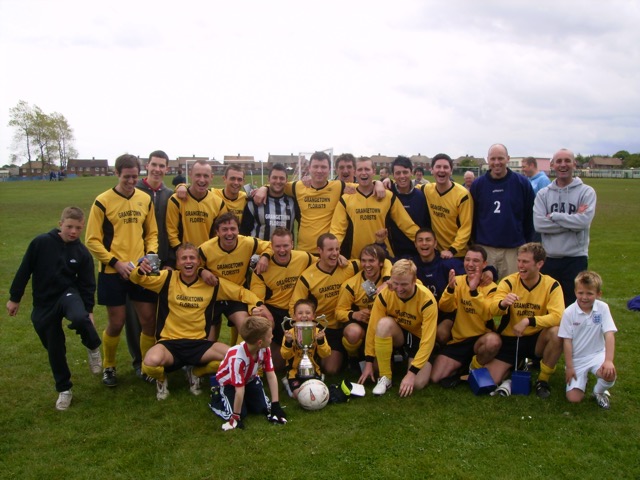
(121, 229)
(228, 255)
(359, 216)
(191, 220)
(321, 282)
(531, 305)
(473, 340)
(153, 185)
(183, 301)
(451, 208)
(403, 315)
(233, 194)
(356, 299)
(275, 286)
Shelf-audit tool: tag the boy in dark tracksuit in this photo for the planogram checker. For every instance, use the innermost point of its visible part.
(63, 286)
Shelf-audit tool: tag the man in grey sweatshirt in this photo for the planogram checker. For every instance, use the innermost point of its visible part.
(562, 213)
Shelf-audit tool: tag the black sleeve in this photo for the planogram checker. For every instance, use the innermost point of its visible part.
(23, 274)
(246, 227)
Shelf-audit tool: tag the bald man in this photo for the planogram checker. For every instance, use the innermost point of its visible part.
(503, 211)
(563, 213)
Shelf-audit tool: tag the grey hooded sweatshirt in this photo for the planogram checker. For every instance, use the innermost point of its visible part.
(565, 231)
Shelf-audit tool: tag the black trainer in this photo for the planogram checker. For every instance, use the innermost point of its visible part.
(109, 377)
(144, 377)
(451, 381)
(543, 390)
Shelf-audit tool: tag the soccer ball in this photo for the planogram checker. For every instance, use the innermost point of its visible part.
(313, 395)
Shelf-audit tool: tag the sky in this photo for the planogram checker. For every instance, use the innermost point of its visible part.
(370, 77)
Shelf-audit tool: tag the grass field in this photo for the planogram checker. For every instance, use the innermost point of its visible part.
(125, 433)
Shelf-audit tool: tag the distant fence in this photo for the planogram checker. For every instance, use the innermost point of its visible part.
(39, 178)
(631, 173)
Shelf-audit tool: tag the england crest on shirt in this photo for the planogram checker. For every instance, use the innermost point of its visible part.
(597, 318)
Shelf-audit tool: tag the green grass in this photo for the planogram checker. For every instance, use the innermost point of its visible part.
(125, 433)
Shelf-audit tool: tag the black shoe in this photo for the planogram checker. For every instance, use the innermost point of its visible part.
(109, 377)
(450, 382)
(144, 377)
(543, 390)
(353, 365)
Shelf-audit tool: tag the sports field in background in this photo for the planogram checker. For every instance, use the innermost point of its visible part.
(126, 433)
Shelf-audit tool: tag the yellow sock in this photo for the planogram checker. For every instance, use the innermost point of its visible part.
(384, 349)
(234, 336)
(109, 348)
(475, 364)
(545, 372)
(351, 348)
(208, 369)
(146, 342)
(153, 372)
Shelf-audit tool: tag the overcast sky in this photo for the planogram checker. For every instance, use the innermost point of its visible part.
(257, 77)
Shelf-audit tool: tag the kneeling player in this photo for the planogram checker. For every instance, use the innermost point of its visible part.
(356, 299)
(181, 319)
(531, 305)
(472, 337)
(404, 314)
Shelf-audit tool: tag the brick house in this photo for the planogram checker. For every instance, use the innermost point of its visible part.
(87, 168)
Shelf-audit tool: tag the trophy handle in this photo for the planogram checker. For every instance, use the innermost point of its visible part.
(322, 322)
(287, 321)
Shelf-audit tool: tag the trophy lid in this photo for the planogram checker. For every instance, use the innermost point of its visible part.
(304, 324)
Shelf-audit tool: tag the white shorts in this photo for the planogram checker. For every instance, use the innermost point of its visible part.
(583, 366)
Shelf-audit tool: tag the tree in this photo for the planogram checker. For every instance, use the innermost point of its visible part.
(43, 138)
(64, 139)
(632, 161)
(467, 162)
(622, 154)
(49, 137)
(21, 117)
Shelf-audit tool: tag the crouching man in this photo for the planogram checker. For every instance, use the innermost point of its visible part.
(184, 299)
(403, 315)
(531, 305)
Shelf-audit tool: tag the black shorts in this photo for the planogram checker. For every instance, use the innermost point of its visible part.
(361, 324)
(227, 308)
(334, 337)
(526, 349)
(186, 351)
(442, 316)
(278, 316)
(411, 343)
(461, 352)
(113, 291)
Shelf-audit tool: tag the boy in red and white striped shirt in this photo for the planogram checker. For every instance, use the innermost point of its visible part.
(240, 389)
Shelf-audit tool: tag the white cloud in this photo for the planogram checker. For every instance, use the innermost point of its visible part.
(367, 77)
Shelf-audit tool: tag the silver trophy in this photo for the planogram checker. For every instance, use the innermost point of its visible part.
(154, 261)
(305, 339)
(370, 289)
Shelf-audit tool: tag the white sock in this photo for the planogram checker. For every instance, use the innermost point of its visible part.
(602, 385)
